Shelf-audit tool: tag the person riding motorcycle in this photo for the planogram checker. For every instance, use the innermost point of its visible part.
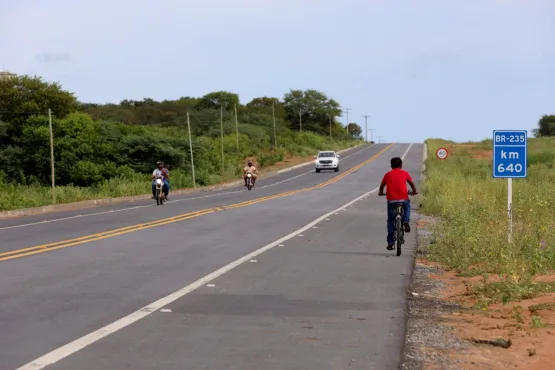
(249, 168)
(161, 172)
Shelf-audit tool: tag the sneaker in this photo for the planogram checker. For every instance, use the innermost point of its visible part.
(390, 247)
(407, 227)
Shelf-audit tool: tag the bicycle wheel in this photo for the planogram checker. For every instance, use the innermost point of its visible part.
(398, 235)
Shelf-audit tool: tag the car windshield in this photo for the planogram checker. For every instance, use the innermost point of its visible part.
(326, 155)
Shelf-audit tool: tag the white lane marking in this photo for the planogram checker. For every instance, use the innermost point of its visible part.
(404, 155)
(209, 285)
(253, 261)
(281, 245)
(169, 202)
(78, 344)
(165, 310)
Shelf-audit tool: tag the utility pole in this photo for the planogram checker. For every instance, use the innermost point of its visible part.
(53, 179)
(222, 135)
(371, 136)
(330, 122)
(191, 151)
(274, 119)
(380, 139)
(236, 126)
(347, 124)
(300, 121)
(366, 126)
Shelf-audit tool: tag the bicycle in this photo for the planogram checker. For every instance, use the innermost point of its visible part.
(399, 236)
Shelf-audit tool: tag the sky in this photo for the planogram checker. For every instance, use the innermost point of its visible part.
(453, 69)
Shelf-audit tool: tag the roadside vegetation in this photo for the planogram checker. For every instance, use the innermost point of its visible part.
(109, 150)
(470, 235)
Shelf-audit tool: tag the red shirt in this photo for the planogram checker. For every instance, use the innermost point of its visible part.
(396, 184)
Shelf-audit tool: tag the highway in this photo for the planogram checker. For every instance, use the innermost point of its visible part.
(291, 275)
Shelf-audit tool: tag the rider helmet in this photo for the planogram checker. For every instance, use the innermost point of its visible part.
(249, 162)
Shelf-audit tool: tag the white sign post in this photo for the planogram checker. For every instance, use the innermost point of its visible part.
(510, 148)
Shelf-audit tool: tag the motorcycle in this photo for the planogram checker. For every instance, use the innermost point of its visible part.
(160, 197)
(249, 181)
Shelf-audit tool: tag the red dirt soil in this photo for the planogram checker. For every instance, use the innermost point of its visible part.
(532, 348)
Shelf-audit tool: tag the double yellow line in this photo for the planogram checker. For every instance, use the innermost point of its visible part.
(129, 229)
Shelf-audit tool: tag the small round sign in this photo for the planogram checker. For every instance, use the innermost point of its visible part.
(441, 153)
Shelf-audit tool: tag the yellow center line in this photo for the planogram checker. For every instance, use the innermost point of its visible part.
(186, 216)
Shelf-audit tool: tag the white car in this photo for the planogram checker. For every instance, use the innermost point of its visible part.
(327, 160)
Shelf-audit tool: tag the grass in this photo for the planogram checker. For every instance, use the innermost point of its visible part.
(15, 196)
(508, 291)
(471, 234)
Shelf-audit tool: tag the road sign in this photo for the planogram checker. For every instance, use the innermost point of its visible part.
(510, 149)
(441, 153)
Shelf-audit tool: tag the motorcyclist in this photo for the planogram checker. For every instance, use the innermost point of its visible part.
(249, 168)
(161, 172)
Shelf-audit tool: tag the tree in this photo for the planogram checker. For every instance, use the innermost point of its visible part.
(263, 102)
(264, 105)
(96, 142)
(546, 126)
(313, 107)
(25, 96)
(354, 130)
(217, 99)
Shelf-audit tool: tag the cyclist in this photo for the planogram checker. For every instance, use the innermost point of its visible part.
(396, 182)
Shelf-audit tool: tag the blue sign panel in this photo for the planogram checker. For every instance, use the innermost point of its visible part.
(510, 148)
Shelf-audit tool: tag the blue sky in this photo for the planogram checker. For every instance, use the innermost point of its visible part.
(455, 69)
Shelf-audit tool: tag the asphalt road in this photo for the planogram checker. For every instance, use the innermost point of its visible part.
(326, 297)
